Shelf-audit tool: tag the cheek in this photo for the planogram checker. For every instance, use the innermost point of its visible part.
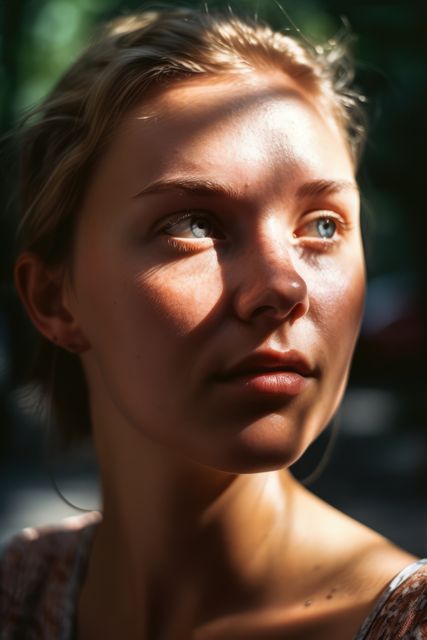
(337, 295)
(140, 324)
(336, 307)
(180, 296)
(338, 303)
(129, 311)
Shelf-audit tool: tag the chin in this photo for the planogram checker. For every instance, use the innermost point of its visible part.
(266, 445)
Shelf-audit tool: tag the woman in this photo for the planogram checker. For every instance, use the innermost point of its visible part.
(191, 252)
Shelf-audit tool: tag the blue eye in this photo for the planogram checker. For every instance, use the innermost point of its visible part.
(326, 227)
(200, 227)
(191, 225)
(322, 227)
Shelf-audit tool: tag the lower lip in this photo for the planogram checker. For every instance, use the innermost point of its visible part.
(286, 383)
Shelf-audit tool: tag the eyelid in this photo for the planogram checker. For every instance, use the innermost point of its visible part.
(173, 219)
(179, 216)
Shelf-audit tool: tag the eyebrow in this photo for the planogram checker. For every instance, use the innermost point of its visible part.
(206, 187)
(326, 187)
(195, 186)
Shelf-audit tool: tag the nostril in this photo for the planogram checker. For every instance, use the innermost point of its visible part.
(278, 304)
(300, 309)
(264, 310)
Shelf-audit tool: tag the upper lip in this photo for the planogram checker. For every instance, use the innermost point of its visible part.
(270, 361)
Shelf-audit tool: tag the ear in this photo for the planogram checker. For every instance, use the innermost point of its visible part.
(41, 290)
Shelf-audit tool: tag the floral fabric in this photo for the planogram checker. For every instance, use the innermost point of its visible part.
(401, 611)
(41, 571)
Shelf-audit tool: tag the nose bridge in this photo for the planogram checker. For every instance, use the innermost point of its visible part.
(270, 283)
(270, 250)
(272, 247)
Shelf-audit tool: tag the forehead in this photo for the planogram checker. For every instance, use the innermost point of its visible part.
(249, 129)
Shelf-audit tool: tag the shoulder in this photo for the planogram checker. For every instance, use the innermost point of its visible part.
(359, 566)
(37, 570)
(388, 589)
(401, 611)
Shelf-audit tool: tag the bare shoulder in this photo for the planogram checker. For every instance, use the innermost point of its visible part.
(351, 564)
(333, 570)
(350, 548)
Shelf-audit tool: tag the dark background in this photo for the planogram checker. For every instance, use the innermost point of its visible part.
(377, 471)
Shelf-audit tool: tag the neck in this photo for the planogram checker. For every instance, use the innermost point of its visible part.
(179, 536)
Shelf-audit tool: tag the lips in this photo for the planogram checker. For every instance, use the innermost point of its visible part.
(270, 362)
(269, 373)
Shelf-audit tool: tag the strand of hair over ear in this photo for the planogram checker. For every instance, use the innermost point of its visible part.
(327, 454)
(52, 439)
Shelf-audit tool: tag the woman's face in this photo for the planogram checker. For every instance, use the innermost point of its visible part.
(218, 272)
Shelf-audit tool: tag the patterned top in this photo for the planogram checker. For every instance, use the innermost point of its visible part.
(401, 611)
(41, 571)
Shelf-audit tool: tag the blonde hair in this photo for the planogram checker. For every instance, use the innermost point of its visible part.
(64, 137)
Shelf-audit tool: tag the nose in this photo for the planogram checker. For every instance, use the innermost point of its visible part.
(269, 286)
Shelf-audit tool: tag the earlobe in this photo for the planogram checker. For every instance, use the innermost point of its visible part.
(41, 290)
